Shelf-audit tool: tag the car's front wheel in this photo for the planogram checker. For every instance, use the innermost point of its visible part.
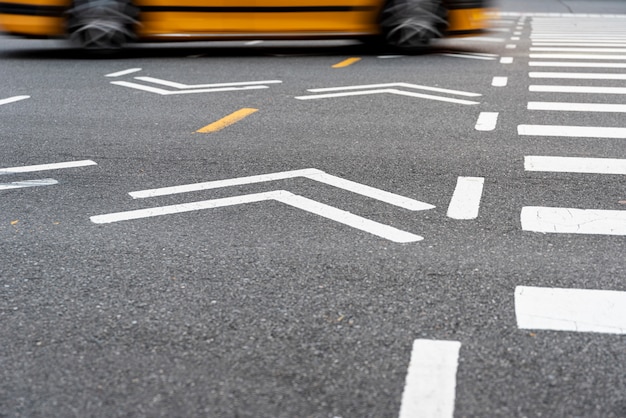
(101, 25)
(410, 25)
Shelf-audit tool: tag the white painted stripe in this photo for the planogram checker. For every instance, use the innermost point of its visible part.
(124, 72)
(577, 107)
(515, 38)
(565, 49)
(579, 310)
(578, 76)
(575, 165)
(580, 44)
(44, 167)
(577, 89)
(499, 81)
(310, 173)
(487, 121)
(329, 212)
(13, 99)
(404, 85)
(575, 64)
(254, 42)
(27, 183)
(488, 39)
(390, 91)
(573, 221)
(578, 56)
(470, 56)
(572, 131)
(506, 60)
(163, 92)
(430, 388)
(465, 202)
(510, 46)
(205, 86)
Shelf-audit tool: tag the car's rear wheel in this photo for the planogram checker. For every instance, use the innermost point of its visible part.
(102, 25)
(411, 25)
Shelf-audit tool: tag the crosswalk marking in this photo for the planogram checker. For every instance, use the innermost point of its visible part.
(572, 131)
(573, 221)
(577, 89)
(575, 165)
(578, 76)
(577, 107)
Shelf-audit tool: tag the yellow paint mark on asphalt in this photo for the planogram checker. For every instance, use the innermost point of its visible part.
(227, 120)
(347, 62)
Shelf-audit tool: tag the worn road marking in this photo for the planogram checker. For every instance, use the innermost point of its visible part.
(27, 183)
(288, 198)
(430, 387)
(44, 167)
(575, 165)
(577, 107)
(346, 62)
(573, 221)
(579, 310)
(577, 89)
(487, 121)
(13, 99)
(124, 72)
(227, 120)
(465, 202)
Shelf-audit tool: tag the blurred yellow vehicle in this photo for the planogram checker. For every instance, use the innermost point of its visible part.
(109, 24)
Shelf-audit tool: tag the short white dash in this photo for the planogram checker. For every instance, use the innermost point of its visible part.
(579, 310)
(506, 60)
(13, 99)
(515, 38)
(499, 81)
(465, 202)
(510, 46)
(487, 121)
(572, 131)
(575, 165)
(573, 221)
(430, 387)
(254, 42)
(124, 72)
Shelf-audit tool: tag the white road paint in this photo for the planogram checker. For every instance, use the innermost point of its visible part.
(510, 46)
(578, 56)
(388, 91)
(430, 388)
(579, 310)
(45, 167)
(288, 198)
(499, 81)
(573, 221)
(205, 86)
(13, 99)
(164, 92)
(472, 56)
(577, 107)
(465, 202)
(581, 44)
(575, 164)
(310, 173)
(506, 60)
(577, 89)
(124, 72)
(254, 42)
(487, 121)
(576, 64)
(578, 76)
(27, 183)
(564, 49)
(572, 131)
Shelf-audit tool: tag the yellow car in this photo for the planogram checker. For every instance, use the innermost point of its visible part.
(109, 24)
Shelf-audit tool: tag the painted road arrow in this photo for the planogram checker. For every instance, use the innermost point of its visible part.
(391, 88)
(189, 89)
(291, 199)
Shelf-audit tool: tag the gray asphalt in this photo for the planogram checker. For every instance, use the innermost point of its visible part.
(264, 310)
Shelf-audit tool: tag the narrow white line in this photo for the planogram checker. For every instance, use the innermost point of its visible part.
(575, 165)
(27, 183)
(575, 64)
(578, 56)
(580, 44)
(577, 107)
(573, 221)
(205, 86)
(506, 60)
(44, 167)
(578, 76)
(577, 89)
(499, 81)
(387, 85)
(328, 212)
(572, 131)
(390, 56)
(470, 56)
(487, 121)
(310, 173)
(124, 72)
(465, 202)
(579, 310)
(13, 99)
(481, 39)
(163, 92)
(391, 91)
(564, 49)
(430, 387)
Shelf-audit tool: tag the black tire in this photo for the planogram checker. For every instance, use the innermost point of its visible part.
(102, 25)
(411, 25)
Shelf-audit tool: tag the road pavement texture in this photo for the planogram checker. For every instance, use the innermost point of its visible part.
(310, 229)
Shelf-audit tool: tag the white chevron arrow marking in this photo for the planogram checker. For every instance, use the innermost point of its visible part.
(197, 88)
(288, 198)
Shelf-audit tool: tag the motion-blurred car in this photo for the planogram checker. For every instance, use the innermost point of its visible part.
(109, 24)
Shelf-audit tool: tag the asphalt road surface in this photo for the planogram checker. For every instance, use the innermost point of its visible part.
(310, 229)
